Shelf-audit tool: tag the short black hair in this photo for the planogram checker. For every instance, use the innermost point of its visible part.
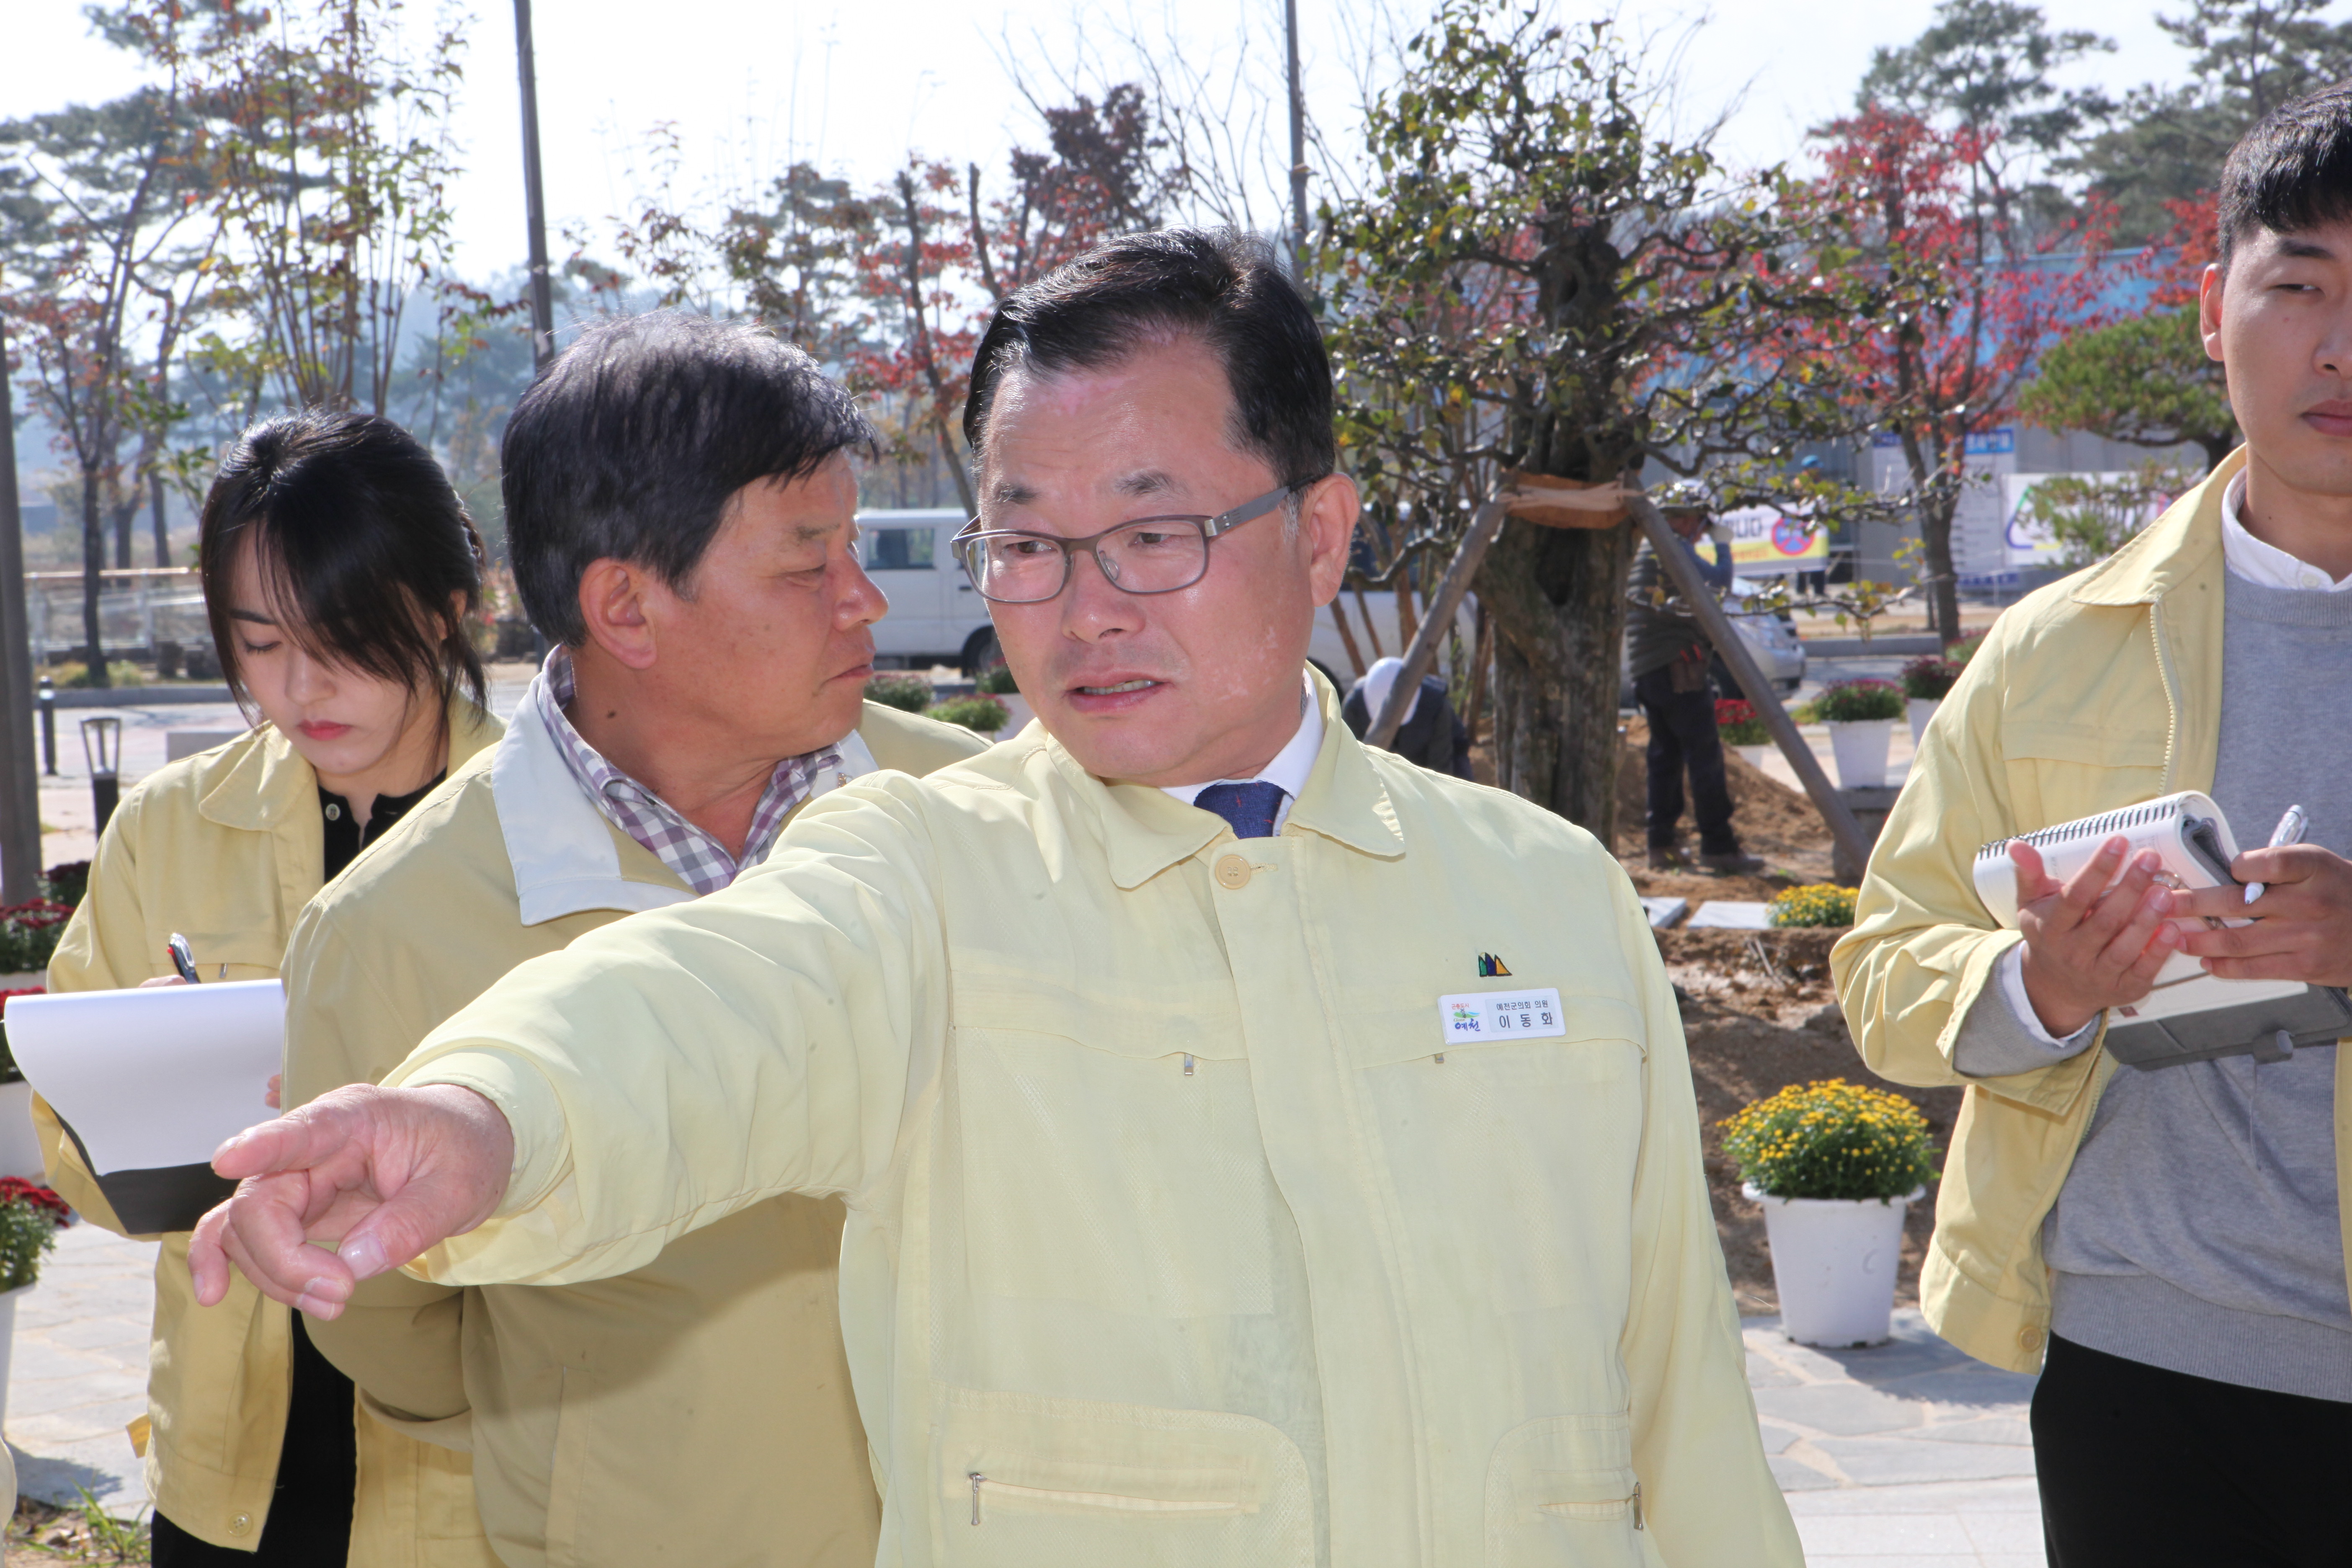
(2292, 172)
(360, 535)
(630, 445)
(1224, 288)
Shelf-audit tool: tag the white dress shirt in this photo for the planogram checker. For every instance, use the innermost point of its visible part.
(1290, 766)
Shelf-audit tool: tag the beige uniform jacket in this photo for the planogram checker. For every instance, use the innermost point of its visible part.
(226, 847)
(2095, 692)
(696, 1410)
(1176, 1233)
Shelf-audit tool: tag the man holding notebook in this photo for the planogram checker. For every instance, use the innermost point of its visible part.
(2165, 1244)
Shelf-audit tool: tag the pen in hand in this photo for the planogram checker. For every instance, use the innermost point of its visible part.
(183, 958)
(2290, 830)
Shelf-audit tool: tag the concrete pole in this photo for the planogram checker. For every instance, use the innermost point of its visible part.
(20, 790)
(534, 196)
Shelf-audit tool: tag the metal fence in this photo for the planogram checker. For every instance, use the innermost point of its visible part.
(136, 610)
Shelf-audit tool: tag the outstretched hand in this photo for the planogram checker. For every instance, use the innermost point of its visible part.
(353, 1183)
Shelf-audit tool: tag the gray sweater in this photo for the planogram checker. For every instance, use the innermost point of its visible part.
(2197, 1229)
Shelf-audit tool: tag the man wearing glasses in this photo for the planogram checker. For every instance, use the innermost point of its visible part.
(1258, 1149)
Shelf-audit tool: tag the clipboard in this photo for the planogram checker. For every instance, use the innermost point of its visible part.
(149, 1082)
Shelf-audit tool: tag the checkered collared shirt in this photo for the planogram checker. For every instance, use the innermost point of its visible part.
(700, 860)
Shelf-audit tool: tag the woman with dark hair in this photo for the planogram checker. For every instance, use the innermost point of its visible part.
(340, 569)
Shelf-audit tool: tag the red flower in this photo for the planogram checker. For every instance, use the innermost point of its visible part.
(15, 1189)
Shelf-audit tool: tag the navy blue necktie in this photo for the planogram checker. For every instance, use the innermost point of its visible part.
(1250, 807)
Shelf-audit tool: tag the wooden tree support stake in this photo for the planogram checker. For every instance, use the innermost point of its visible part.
(1484, 527)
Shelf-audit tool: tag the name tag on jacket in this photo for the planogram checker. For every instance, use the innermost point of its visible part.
(1480, 1016)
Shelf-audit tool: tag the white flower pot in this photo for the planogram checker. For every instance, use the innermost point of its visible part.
(20, 1151)
(1860, 746)
(1834, 1262)
(1753, 755)
(7, 1340)
(1920, 709)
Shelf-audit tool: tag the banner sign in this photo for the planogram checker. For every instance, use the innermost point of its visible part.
(1766, 540)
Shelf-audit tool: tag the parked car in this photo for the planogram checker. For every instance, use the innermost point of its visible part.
(937, 617)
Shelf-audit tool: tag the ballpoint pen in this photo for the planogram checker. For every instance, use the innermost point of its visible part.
(2290, 830)
(183, 959)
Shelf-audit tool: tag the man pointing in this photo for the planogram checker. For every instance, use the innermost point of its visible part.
(1206, 1205)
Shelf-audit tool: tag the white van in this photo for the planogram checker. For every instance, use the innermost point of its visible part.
(937, 617)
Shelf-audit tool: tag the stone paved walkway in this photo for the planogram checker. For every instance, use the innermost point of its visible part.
(1906, 1455)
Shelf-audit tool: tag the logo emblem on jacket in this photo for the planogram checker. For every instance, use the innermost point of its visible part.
(1489, 966)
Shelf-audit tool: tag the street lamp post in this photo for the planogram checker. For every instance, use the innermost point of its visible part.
(102, 745)
(534, 197)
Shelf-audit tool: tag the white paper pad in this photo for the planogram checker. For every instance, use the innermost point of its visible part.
(1731, 914)
(156, 1077)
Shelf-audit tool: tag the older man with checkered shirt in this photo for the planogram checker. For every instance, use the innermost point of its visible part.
(680, 513)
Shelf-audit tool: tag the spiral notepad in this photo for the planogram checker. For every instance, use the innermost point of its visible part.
(2191, 1016)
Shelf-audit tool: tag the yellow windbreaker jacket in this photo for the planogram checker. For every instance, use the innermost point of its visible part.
(1177, 1232)
(2092, 693)
(696, 1410)
(226, 847)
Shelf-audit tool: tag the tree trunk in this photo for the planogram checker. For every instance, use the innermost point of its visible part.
(126, 513)
(1557, 599)
(1943, 583)
(93, 564)
(162, 536)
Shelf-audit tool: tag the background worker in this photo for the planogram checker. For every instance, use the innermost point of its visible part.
(2165, 1245)
(339, 570)
(1431, 733)
(1668, 657)
(680, 515)
(1200, 1209)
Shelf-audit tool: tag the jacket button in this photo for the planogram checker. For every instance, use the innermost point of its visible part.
(239, 1523)
(2030, 1337)
(1232, 871)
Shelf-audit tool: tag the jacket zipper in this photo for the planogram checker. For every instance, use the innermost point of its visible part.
(1114, 1500)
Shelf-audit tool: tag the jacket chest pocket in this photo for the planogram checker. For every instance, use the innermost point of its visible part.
(1545, 1132)
(2057, 772)
(1126, 1175)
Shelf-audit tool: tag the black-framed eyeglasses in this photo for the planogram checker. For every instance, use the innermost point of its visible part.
(1145, 555)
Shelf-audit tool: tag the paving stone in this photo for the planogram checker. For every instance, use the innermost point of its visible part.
(1762, 1373)
(1775, 1438)
(2012, 1430)
(1911, 1534)
(97, 1418)
(1976, 1385)
(1879, 1461)
(108, 1333)
(1795, 1476)
(2001, 1532)
(1970, 1499)
(1846, 1409)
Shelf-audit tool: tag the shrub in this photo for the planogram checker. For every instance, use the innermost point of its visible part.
(1739, 724)
(67, 882)
(1851, 701)
(29, 933)
(909, 693)
(1834, 1139)
(1929, 678)
(10, 1071)
(984, 715)
(30, 1218)
(1815, 904)
(1964, 649)
(996, 680)
(75, 676)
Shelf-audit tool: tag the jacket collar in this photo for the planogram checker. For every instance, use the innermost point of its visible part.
(566, 855)
(263, 782)
(1145, 830)
(2177, 548)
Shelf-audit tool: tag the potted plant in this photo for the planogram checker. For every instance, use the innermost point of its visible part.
(908, 693)
(30, 1218)
(997, 682)
(1861, 717)
(1926, 681)
(981, 715)
(1835, 1166)
(1814, 904)
(1742, 729)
